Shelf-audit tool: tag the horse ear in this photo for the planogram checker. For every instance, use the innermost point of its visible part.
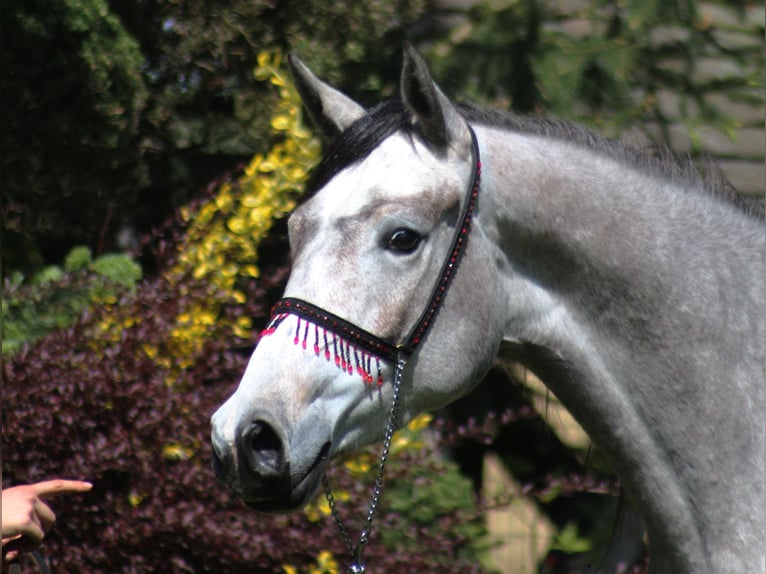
(440, 123)
(331, 111)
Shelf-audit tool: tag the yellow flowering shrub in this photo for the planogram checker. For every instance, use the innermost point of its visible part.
(221, 243)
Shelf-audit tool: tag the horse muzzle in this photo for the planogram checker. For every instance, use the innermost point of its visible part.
(254, 461)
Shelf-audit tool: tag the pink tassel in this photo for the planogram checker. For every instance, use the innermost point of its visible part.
(341, 353)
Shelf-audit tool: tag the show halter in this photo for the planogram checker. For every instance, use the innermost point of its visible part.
(355, 350)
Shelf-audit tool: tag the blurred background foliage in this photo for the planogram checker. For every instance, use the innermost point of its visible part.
(119, 112)
(149, 153)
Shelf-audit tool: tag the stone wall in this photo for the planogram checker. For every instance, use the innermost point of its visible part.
(726, 76)
(740, 150)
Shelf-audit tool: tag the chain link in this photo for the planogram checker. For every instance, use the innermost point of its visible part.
(338, 521)
(357, 565)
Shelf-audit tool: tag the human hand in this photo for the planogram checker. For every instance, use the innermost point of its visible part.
(26, 518)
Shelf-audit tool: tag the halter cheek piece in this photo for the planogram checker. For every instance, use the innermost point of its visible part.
(352, 338)
(355, 350)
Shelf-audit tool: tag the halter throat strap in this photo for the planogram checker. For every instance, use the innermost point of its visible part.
(370, 342)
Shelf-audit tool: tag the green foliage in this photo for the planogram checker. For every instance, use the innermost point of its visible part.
(433, 492)
(50, 274)
(569, 540)
(77, 259)
(121, 112)
(75, 95)
(599, 63)
(117, 269)
(55, 298)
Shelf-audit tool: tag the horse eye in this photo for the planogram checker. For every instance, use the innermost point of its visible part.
(404, 240)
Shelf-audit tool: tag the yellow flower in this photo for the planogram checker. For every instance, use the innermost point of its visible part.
(242, 327)
(200, 271)
(358, 466)
(320, 508)
(250, 271)
(326, 562)
(420, 422)
(175, 451)
(135, 499)
(317, 510)
(263, 59)
(252, 167)
(260, 214)
(240, 298)
(295, 173)
(400, 443)
(252, 200)
(281, 123)
(237, 225)
(204, 215)
(150, 350)
(206, 318)
(223, 201)
(267, 165)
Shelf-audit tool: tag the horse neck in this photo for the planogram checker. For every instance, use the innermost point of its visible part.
(639, 303)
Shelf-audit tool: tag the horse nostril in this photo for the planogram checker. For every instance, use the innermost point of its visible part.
(263, 448)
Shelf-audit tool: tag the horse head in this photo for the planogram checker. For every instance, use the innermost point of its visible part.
(369, 248)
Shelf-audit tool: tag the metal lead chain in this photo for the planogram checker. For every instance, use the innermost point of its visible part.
(357, 564)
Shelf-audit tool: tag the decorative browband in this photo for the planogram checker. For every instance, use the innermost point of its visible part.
(352, 348)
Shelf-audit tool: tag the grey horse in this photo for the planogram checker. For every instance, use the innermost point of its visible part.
(621, 279)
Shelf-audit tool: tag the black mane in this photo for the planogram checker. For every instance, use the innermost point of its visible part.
(390, 116)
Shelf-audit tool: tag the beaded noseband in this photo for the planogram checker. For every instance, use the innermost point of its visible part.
(355, 350)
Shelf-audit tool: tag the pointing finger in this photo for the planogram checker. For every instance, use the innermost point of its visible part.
(60, 486)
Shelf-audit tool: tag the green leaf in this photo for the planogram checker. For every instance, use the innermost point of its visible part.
(120, 269)
(569, 540)
(77, 259)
